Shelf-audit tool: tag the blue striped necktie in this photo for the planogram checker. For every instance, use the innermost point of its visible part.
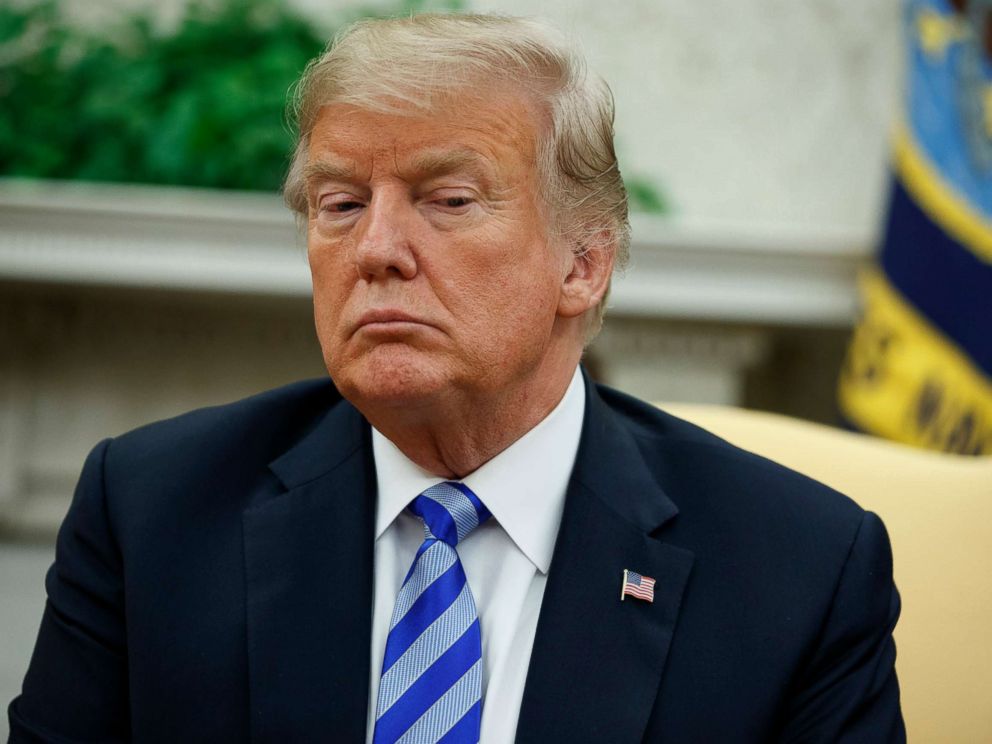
(431, 684)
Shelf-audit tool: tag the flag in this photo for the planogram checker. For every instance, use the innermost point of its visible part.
(635, 585)
(919, 366)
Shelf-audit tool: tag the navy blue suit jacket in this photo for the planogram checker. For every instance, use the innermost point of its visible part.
(213, 583)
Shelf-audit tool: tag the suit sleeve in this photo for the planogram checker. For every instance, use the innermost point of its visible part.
(848, 691)
(76, 687)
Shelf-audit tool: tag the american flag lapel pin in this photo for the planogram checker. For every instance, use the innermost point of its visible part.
(636, 585)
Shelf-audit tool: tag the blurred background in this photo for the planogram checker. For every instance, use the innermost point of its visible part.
(811, 196)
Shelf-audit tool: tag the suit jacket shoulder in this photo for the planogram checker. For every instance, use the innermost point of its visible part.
(773, 608)
(218, 452)
(716, 483)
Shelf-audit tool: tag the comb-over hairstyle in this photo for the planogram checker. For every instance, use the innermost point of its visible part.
(412, 64)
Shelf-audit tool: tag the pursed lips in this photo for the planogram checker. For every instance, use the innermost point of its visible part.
(384, 318)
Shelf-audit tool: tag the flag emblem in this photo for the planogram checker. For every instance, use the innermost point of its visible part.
(638, 586)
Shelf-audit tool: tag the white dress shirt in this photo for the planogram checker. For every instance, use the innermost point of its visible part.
(506, 559)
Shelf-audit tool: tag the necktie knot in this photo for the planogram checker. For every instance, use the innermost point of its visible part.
(450, 511)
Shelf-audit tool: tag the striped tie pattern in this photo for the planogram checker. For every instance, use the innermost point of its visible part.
(431, 684)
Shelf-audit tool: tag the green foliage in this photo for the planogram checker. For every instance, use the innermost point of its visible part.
(202, 106)
(644, 196)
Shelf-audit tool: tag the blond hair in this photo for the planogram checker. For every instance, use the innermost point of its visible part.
(399, 64)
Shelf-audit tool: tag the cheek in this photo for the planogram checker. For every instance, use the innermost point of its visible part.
(320, 257)
(329, 273)
(517, 302)
(330, 294)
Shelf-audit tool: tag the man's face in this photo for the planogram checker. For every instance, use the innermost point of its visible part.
(433, 272)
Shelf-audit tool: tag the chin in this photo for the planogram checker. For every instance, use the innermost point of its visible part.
(389, 379)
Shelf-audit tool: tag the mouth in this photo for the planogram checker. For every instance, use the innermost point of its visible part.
(388, 321)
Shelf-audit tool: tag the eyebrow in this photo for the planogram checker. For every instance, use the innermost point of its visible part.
(426, 165)
(445, 162)
(327, 170)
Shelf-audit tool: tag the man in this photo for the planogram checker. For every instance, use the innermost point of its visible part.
(463, 536)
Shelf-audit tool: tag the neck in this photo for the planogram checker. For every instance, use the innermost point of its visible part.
(457, 434)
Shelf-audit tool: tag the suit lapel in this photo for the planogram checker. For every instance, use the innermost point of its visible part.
(308, 566)
(597, 662)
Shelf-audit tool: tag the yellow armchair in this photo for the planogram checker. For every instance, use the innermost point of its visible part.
(938, 510)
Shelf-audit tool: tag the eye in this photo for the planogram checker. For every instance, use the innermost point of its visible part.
(343, 206)
(338, 205)
(452, 202)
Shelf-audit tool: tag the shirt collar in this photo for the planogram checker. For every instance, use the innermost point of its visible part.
(523, 486)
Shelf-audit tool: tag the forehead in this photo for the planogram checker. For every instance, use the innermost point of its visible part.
(467, 132)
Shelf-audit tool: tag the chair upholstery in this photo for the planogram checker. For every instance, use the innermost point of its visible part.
(938, 510)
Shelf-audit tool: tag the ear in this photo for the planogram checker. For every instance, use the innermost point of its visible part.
(588, 272)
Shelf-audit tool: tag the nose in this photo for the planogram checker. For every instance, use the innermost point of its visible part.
(384, 247)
